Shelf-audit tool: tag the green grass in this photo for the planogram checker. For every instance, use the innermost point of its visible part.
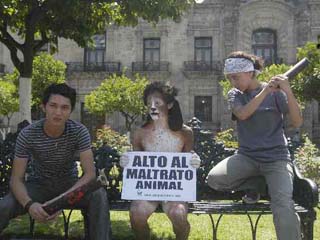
(232, 227)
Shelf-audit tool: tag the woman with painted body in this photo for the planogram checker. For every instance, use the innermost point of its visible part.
(258, 109)
(163, 132)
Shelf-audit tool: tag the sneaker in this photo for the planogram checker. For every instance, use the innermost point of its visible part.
(251, 197)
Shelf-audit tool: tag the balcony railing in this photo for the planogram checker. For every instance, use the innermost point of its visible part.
(150, 66)
(202, 66)
(2, 67)
(112, 67)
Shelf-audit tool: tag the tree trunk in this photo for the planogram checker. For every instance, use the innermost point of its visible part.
(25, 98)
(9, 116)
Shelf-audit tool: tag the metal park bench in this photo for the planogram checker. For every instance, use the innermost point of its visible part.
(209, 201)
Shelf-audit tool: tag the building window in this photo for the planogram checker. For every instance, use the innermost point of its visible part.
(203, 108)
(151, 54)
(151, 50)
(94, 56)
(203, 49)
(264, 44)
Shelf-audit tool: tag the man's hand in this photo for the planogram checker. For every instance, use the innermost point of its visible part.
(54, 216)
(276, 83)
(37, 212)
(124, 160)
(271, 86)
(282, 82)
(195, 160)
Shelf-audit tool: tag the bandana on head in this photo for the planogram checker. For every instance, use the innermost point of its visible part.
(237, 65)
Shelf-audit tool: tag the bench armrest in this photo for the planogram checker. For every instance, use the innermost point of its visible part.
(305, 191)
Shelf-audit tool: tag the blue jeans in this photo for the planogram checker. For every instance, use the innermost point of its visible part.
(96, 203)
(240, 172)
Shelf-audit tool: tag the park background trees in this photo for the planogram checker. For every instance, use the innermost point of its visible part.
(119, 93)
(27, 26)
(8, 100)
(46, 70)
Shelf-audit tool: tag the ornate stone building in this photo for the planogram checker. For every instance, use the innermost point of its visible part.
(189, 53)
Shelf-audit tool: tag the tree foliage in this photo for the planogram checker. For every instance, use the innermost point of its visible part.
(308, 160)
(118, 94)
(272, 70)
(307, 85)
(108, 136)
(9, 102)
(227, 138)
(46, 70)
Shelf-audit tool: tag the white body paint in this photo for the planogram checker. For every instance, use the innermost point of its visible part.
(154, 103)
(157, 137)
(162, 140)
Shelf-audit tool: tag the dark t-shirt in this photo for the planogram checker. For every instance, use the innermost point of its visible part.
(261, 136)
(52, 158)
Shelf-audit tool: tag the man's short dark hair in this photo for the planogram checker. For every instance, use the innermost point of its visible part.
(60, 89)
(169, 93)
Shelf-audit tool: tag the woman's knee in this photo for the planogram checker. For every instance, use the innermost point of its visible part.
(138, 219)
(140, 211)
(178, 213)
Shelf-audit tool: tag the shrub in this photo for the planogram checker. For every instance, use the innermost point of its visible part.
(227, 138)
(308, 160)
(113, 139)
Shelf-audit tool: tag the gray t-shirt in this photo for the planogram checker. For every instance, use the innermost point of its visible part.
(52, 159)
(261, 136)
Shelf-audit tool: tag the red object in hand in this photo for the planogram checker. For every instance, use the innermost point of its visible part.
(75, 196)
